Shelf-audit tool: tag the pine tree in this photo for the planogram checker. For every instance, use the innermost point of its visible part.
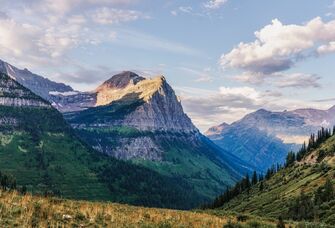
(290, 159)
(328, 190)
(254, 178)
(261, 186)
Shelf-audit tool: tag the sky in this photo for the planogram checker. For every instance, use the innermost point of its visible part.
(224, 58)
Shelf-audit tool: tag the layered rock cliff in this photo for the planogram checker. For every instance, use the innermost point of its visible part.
(14, 94)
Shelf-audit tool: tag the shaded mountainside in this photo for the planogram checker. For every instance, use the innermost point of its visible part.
(144, 122)
(38, 84)
(303, 190)
(264, 138)
(41, 151)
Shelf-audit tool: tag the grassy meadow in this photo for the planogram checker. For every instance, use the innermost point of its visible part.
(18, 210)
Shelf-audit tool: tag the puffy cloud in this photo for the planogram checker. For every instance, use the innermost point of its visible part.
(35, 33)
(24, 40)
(215, 4)
(279, 47)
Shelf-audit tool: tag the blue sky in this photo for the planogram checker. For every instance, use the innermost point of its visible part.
(287, 64)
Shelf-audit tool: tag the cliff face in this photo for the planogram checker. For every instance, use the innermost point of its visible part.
(142, 105)
(160, 109)
(14, 94)
(142, 121)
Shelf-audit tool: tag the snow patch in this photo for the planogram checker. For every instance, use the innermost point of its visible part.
(69, 93)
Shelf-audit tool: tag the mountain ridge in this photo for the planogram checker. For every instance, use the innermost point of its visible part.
(268, 136)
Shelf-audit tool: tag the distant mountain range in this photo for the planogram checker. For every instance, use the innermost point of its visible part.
(263, 138)
(140, 121)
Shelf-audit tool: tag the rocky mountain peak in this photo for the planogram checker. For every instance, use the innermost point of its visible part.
(216, 130)
(131, 87)
(121, 80)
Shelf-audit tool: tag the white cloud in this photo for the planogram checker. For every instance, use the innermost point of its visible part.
(35, 33)
(328, 48)
(106, 15)
(24, 40)
(278, 47)
(228, 104)
(215, 4)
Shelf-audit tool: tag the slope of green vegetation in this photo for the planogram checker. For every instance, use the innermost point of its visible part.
(200, 167)
(46, 157)
(303, 190)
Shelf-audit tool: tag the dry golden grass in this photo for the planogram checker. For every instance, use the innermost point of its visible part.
(31, 211)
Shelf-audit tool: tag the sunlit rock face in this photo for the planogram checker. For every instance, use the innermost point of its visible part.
(148, 106)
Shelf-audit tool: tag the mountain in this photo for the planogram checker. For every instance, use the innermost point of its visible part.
(38, 84)
(43, 153)
(303, 190)
(264, 138)
(142, 121)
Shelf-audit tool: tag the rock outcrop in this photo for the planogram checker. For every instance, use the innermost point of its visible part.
(14, 94)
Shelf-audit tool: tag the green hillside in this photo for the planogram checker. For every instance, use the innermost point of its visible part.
(304, 190)
(196, 161)
(42, 152)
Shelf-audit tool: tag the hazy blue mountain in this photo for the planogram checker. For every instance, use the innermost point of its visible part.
(263, 138)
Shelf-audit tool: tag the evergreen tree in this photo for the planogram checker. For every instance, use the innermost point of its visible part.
(254, 178)
(261, 186)
(290, 159)
(280, 223)
(328, 190)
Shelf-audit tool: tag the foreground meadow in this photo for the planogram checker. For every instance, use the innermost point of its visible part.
(31, 211)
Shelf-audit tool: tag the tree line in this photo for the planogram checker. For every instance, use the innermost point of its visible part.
(242, 186)
(246, 183)
(309, 207)
(7, 182)
(314, 142)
